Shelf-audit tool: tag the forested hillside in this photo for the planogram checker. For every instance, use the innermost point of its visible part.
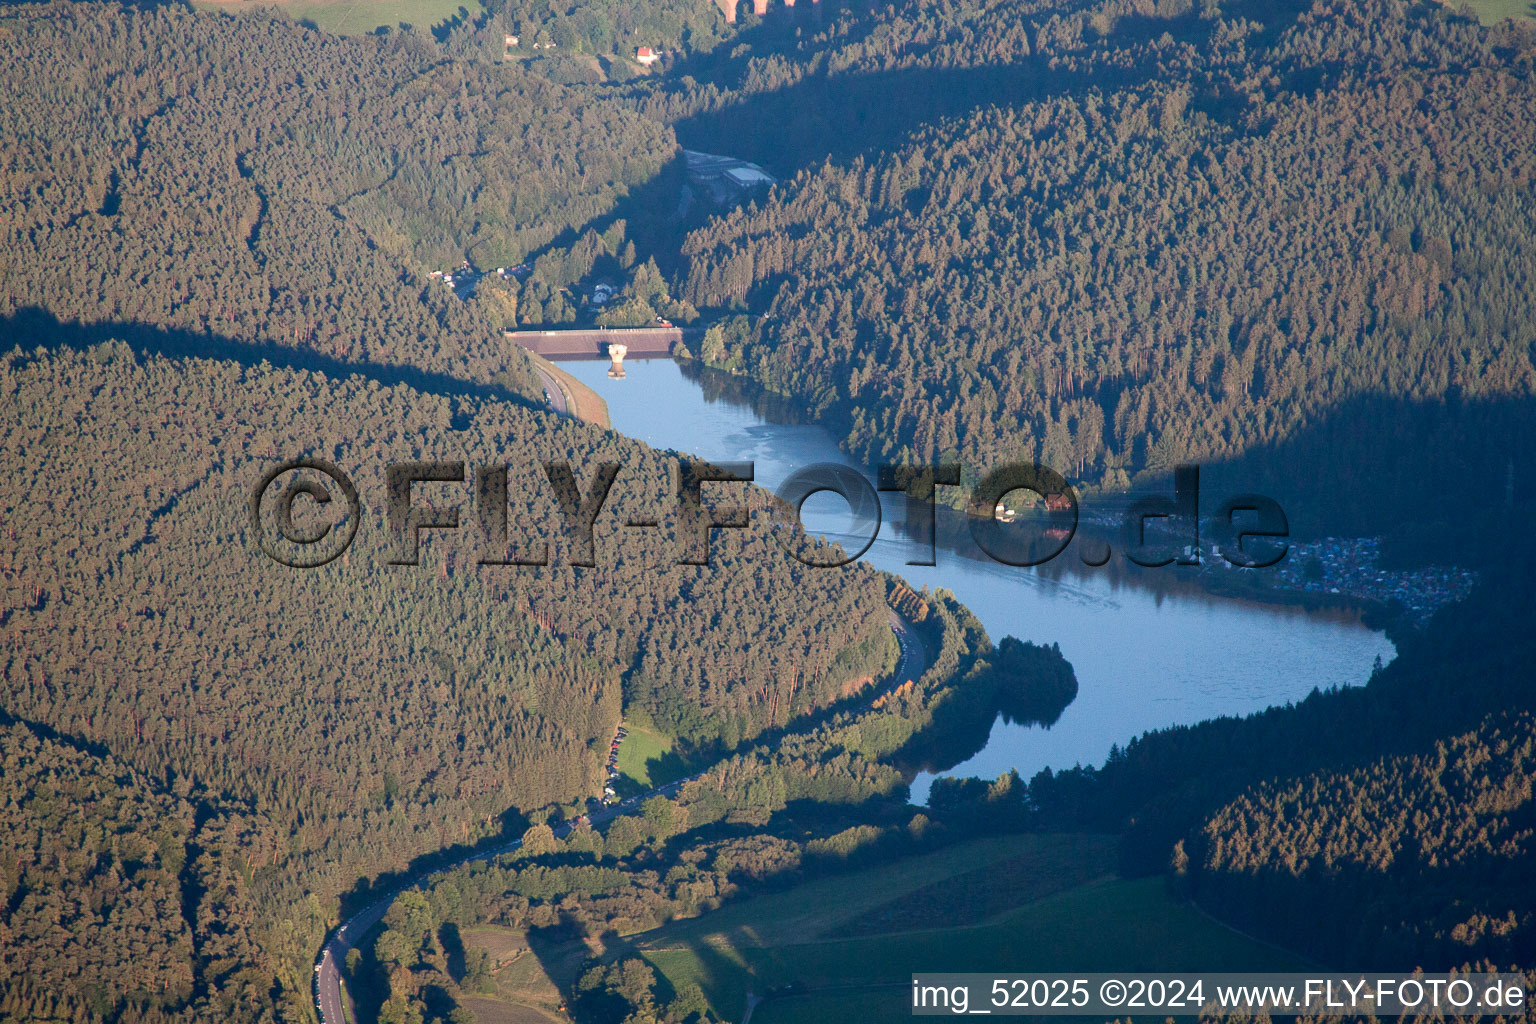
(1106, 236)
(367, 713)
(1425, 856)
(121, 899)
(1132, 234)
(819, 800)
(207, 751)
(1367, 827)
(255, 180)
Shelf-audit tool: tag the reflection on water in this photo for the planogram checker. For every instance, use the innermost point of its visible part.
(1150, 647)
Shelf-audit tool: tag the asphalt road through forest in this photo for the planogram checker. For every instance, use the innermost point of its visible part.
(330, 1000)
(552, 390)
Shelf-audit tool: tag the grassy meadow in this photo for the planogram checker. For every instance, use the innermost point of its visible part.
(844, 948)
(527, 989)
(358, 17)
(1490, 12)
(646, 760)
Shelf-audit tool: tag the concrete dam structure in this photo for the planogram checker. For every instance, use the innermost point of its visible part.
(594, 343)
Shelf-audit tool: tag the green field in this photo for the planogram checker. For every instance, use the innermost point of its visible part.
(646, 760)
(356, 17)
(524, 991)
(1051, 918)
(1492, 11)
(496, 1011)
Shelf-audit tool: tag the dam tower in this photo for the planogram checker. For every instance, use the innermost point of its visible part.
(617, 354)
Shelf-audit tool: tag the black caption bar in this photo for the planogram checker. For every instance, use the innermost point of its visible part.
(1175, 995)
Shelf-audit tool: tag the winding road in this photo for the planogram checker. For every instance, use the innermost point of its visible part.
(330, 998)
(553, 391)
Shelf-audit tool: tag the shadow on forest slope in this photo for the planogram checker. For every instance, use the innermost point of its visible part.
(33, 327)
(1440, 482)
(1406, 909)
(841, 116)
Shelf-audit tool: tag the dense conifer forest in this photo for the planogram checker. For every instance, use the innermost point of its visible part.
(1111, 236)
(1116, 236)
(217, 237)
(252, 179)
(360, 715)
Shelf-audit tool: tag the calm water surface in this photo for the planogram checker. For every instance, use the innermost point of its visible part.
(1146, 655)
